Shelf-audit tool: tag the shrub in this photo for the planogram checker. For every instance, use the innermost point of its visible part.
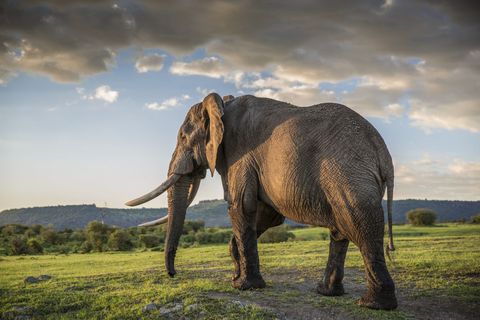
(34, 246)
(18, 245)
(29, 233)
(150, 240)
(96, 226)
(77, 236)
(476, 219)
(37, 228)
(421, 217)
(119, 240)
(86, 247)
(12, 229)
(193, 226)
(277, 234)
(188, 239)
(96, 235)
(49, 236)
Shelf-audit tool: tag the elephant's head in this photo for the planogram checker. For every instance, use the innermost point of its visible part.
(198, 141)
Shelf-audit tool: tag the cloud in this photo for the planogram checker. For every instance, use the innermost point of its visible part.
(168, 103)
(106, 94)
(208, 66)
(426, 178)
(423, 54)
(103, 93)
(152, 62)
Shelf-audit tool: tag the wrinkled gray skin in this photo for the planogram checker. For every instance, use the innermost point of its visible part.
(322, 165)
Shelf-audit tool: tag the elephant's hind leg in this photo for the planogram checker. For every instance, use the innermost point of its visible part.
(381, 289)
(368, 236)
(332, 280)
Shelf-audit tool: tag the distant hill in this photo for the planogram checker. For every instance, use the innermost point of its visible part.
(213, 212)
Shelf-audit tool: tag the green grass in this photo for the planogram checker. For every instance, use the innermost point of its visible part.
(430, 262)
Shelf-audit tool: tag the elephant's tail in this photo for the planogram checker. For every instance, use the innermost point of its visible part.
(390, 246)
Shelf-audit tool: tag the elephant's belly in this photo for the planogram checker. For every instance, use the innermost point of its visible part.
(308, 216)
(318, 214)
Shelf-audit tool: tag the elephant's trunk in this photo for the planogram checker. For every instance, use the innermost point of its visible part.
(177, 208)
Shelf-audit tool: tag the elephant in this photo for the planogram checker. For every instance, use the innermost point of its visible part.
(323, 165)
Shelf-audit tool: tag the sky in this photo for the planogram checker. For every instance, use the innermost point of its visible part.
(92, 93)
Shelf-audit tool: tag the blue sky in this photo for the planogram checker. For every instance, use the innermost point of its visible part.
(103, 131)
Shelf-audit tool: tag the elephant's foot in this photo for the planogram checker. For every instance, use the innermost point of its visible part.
(379, 301)
(331, 291)
(236, 275)
(247, 283)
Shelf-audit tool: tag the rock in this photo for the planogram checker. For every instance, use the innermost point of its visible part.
(149, 307)
(175, 308)
(31, 279)
(191, 307)
(44, 277)
(21, 309)
(238, 303)
(22, 317)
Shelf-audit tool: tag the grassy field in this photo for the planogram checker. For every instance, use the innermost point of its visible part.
(436, 270)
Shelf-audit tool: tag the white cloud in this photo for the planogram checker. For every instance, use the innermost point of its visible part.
(103, 93)
(106, 94)
(148, 63)
(429, 53)
(204, 91)
(168, 103)
(209, 67)
(298, 95)
(434, 179)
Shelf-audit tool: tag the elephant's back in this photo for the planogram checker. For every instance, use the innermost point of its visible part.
(317, 154)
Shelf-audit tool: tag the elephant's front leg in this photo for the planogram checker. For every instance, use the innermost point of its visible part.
(267, 218)
(243, 216)
(235, 258)
(332, 280)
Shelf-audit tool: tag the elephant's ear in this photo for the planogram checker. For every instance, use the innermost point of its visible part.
(213, 104)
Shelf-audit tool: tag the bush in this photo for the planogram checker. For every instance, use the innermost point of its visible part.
(150, 240)
(86, 247)
(18, 245)
(202, 237)
(78, 236)
(277, 234)
(119, 240)
(421, 217)
(96, 235)
(193, 226)
(49, 236)
(476, 219)
(34, 246)
(12, 229)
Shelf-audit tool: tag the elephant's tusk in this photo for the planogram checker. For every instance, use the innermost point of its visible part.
(155, 222)
(155, 193)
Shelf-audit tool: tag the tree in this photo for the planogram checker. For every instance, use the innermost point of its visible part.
(96, 234)
(49, 236)
(421, 217)
(18, 245)
(119, 240)
(34, 246)
(277, 234)
(476, 219)
(150, 240)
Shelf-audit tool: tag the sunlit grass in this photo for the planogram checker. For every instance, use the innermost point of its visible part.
(430, 261)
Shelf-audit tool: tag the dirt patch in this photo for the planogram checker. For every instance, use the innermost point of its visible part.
(292, 295)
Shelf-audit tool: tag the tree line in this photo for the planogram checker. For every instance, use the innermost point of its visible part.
(18, 239)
